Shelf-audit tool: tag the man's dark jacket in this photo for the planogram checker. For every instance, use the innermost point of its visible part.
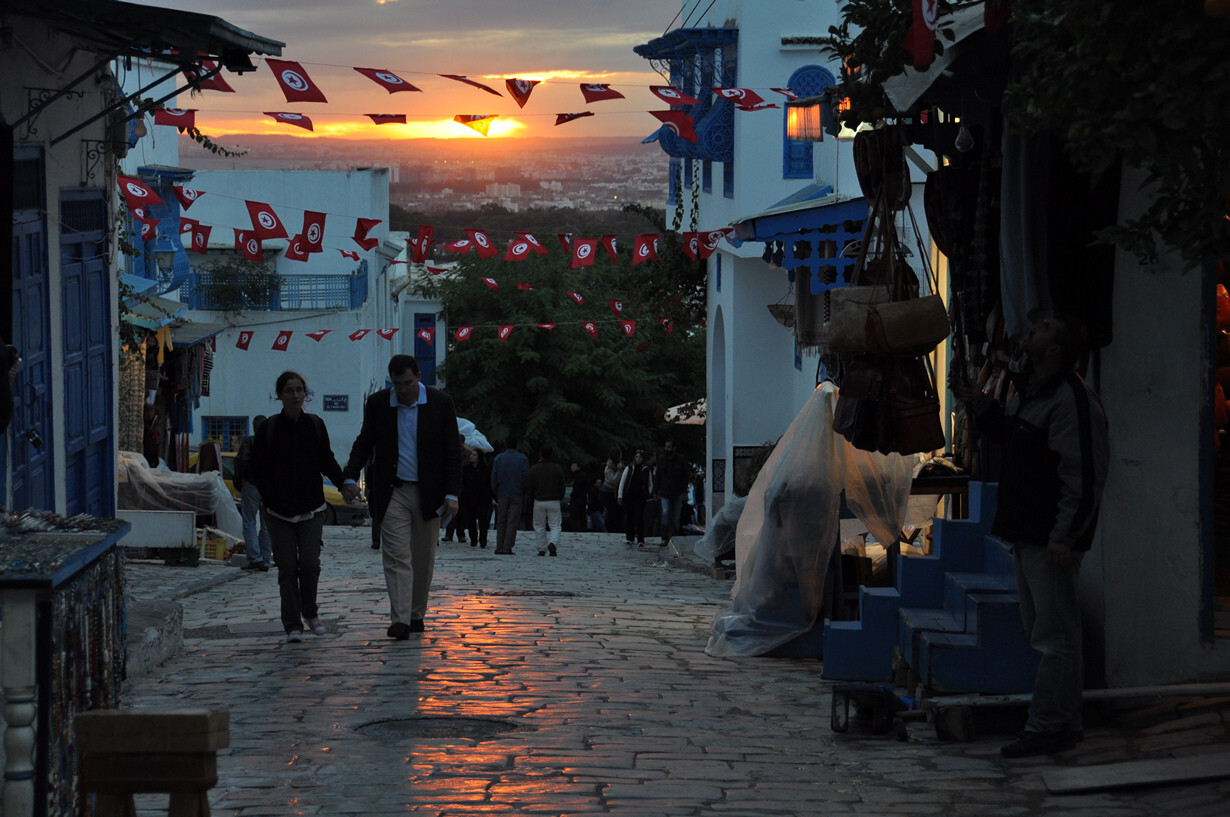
(438, 444)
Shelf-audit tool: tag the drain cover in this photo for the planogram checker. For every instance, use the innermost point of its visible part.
(468, 728)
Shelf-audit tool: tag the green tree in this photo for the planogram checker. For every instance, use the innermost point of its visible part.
(579, 392)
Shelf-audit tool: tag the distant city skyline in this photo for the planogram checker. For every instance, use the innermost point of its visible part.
(561, 43)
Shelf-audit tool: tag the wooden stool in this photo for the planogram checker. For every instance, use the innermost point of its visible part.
(125, 752)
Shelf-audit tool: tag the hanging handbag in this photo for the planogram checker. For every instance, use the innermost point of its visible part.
(910, 327)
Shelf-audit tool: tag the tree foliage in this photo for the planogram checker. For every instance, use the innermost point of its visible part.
(561, 386)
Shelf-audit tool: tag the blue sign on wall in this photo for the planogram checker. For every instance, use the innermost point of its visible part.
(337, 402)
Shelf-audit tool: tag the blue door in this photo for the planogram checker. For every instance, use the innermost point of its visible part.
(89, 468)
(31, 432)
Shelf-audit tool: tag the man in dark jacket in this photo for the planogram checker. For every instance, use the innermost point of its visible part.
(672, 477)
(410, 446)
(1055, 457)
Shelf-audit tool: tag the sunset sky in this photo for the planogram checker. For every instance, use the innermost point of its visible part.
(563, 43)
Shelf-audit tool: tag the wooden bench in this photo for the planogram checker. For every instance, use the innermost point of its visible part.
(126, 752)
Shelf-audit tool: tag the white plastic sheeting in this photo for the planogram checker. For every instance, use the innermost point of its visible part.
(474, 437)
(790, 527)
(142, 488)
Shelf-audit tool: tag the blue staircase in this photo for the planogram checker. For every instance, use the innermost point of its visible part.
(953, 616)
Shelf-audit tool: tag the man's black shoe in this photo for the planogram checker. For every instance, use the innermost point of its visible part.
(399, 630)
(551, 549)
(1030, 744)
(416, 625)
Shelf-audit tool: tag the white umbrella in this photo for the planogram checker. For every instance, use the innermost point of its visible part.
(474, 437)
(688, 414)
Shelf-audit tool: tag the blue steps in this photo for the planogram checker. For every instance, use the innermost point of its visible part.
(952, 616)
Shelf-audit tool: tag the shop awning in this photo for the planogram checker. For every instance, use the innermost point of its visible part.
(154, 313)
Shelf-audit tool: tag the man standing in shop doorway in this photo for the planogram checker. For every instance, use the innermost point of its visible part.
(1055, 455)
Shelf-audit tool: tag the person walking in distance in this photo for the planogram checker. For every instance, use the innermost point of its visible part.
(1055, 456)
(635, 488)
(673, 477)
(508, 477)
(545, 486)
(289, 455)
(476, 498)
(409, 434)
(256, 540)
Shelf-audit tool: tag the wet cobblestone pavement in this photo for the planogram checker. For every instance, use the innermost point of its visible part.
(575, 685)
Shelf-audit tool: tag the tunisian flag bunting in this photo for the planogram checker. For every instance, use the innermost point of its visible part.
(520, 89)
(461, 245)
(468, 81)
(295, 82)
(534, 243)
(786, 92)
(524, 287)
(668, 325)
(387, 118)
(504, 332)
(491, 284)
(359, 334)
(313, 231)
(282, 341)
(428, 335)
(608, 244)
(318, 334)
(137, 193)
(672, 96)
(148, 229)
(296, 119)
(243, 341)
(518, 250)
(691, 245)
(197, 76)
(576, 296)
(422, 243)
(565, 241)
(175, 117)
(921, 42)
(561, 118)
(463, 332)
(362, 227)
(437, 270)
(617, 306)
(483, 244)
(387, 334)
(597, 91)
(645, 249)
(629, 327)
(188, 225)
(252, 249)
(351, 254)
(387, 80)
(583, 251)
(477, 121)
(265, 222)
(200, 239)
(295, 250)
(742, 97)
(591, 328)
(187, 196)
(679, 123)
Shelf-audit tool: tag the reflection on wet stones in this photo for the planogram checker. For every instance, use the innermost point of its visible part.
(436, 728)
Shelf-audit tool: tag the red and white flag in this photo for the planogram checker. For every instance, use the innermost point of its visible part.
(609, 244)
(518, 250)
(351, 254)
(461, 246)
(197, 76)
(672, 96)
(561, 118)
(187, 196)
(295, 82)
(437, 270)
(691, 245)
(252, 249)
(295, 250)
(629, 327)
(463, 332)
(420, 245)
(318, 334)
(786, 92)
(534, 243)
(583, 250)
(147, 228)
(483, 244)
(282, 341)
(296, 119)
(576, 296)
(678, 123)
(599, 91)
(480, 122)
(504, 332)
(617, 306)
(645, 248)
(468, 81)
(591, 328)
(244, 340)
(359, 334)
(386, 79)
(137, 193)
(313, 232)
(742, 97)
(387, 334)
(668, 325)
(188, 225)
(520, 89)
(491, 284)
(524, 287)
(547, 326)
(427, 335)
(362, 227)
(200, 239)
(387, 118)
(175, 117)
(921, 40)
(565, 241)
(265, 222)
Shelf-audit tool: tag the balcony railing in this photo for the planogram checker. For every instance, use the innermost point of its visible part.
(203, 290)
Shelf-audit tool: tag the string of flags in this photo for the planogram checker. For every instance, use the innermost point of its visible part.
(298, 86)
